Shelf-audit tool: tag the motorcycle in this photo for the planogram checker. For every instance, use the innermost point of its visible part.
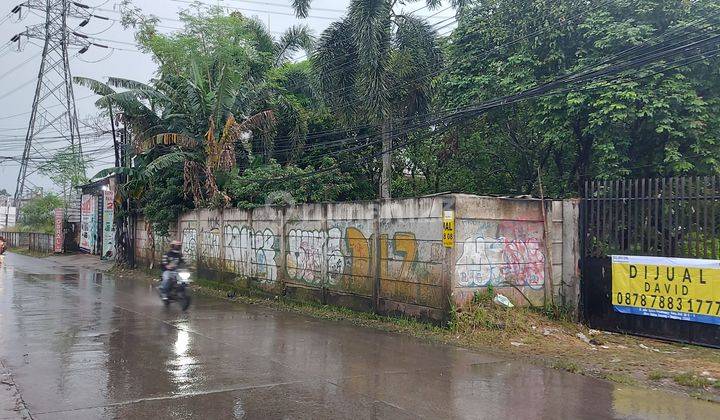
(179, 290)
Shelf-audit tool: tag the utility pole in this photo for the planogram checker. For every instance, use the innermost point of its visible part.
(386, 174)
(53, 109)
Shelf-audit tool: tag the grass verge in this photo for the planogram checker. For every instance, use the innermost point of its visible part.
(658, 375)
(691, 380)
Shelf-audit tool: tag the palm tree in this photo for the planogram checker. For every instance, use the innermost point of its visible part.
(373, 67)
(203, 107)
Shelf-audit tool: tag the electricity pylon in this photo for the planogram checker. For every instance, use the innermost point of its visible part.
(53, 110)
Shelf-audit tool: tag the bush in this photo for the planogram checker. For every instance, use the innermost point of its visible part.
(37, 214)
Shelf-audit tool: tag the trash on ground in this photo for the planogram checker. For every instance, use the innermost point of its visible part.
(549, 331)
(502, 301)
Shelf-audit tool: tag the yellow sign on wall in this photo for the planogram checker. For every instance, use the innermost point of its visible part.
(448, 228)
(677, 288)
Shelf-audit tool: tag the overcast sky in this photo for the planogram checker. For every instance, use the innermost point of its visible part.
(18, 69)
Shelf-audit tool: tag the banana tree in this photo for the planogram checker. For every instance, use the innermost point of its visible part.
(203, 109)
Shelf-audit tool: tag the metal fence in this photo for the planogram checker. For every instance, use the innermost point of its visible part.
(33, 241)
(672, 217)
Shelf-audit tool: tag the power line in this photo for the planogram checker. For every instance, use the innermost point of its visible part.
(17, 88)
(54, 86)
(20, 65)
(541, 90)
(436, 71)
(513, 41)
(339, 69)
(247, 9)
(545, 89)
(444, 67)
(58, 137)
(351, 64)
(52, 106)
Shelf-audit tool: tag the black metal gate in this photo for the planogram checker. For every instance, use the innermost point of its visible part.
(669, 217)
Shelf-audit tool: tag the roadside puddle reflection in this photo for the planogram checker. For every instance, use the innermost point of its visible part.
(659, 405)
(182, 365)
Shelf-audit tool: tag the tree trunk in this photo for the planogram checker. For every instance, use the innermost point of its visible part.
(386, 175)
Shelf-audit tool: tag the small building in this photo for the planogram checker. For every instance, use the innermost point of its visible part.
(8, 212)
(96, 233)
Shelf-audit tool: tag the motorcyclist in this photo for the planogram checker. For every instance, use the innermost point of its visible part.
(171, 261)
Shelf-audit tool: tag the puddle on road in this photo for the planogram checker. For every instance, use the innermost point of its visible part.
(74, 345)
(639, 403)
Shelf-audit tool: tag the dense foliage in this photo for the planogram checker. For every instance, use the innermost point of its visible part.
(229, 121)
(226, 106)
(66, 169)
(37, 214)
(657, 121)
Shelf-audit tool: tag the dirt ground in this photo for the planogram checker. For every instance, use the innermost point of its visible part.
(530, 334)
(625, 359)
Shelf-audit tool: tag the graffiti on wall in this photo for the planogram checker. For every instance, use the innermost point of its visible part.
(88, 222)
(505, 253)
(357, 256)
(340, 253)
(189, 243)
(401, 253)
(305, 254)
(335, 256)
(251, 253)
(210, 241)
(311, 252)
(213, 223)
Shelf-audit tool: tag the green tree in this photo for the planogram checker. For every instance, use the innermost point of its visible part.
(203, 103)
(37, 214)
(370, 66)
(224, 92)
(653, 121)
(66, 169)
(294, 185)
(164, 199)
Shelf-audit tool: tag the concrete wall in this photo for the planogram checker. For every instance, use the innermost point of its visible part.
(386, 256)
(504, 242)
(145, 253)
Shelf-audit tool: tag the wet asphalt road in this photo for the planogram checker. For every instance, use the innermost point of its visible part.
(80, 344)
